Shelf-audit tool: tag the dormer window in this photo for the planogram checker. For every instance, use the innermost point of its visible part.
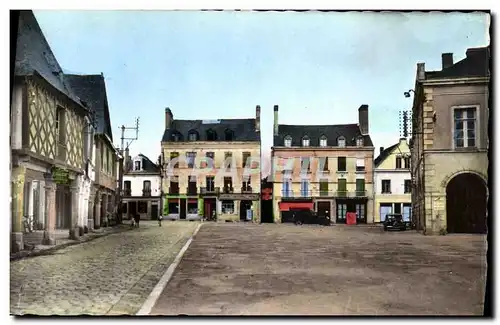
(211, 135)
(341, 141)
(229, 135)
(176, 136)
(305, 141)
(359, 141)
(137, 165)
(322, 141)
(193, 135)
(288, 141)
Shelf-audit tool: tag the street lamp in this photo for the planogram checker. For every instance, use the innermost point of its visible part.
(407, 93)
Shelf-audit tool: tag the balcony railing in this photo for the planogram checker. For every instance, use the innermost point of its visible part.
(173, 190)
(127, 192)
(227, 189)
(191, 190)
(323, 193)
(146, 192)
(297, 194)
(209, 190)
(246, 189)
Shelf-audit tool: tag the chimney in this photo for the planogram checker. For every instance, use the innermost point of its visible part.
(363, 119)
(420, 71)
(168, 118)
(381, 150)
(275, 120)
(257, 118)
(446, 60)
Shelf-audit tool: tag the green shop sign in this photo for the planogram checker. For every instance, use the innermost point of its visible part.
(60, 176)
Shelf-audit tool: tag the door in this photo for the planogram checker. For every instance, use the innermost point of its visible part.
(407, 212)
(154, 212)
(323, 209)
(466, 204)
(360, 213)
(341, 212)
(182, 209)
(397, 208)
(385, 209)
(132, 208)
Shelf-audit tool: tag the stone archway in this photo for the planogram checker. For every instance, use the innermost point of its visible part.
(466, 204)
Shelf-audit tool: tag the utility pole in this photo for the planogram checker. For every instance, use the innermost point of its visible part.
(121, 162)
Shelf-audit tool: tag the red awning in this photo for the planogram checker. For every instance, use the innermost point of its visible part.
(192, 200)
(173, 200)
(287, 206)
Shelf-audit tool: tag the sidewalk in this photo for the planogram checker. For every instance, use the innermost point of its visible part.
(63, 241)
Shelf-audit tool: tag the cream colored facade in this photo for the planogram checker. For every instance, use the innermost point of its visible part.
(352, 155)
(219, 149)
(399, 196)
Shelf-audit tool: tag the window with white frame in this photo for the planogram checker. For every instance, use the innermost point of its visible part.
(359, 141)
(137, 165)
(465, 127)
(288, 141)
(341, 141)
(227, 207)
(323, 141)
(360, 164)
(305, 141)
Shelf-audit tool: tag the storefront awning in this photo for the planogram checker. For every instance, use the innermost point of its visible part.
(287, 206)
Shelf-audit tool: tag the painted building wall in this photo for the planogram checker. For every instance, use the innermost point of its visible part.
(137, 184)
(387, 170)
(333, 175)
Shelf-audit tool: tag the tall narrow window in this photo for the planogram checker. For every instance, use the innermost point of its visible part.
(210, 159)
(360, 165)
(190, 157)
(398, 162)
(228, 159)
(465, 128)
(305, 164)
(360, 187)
(323, 141)
(341, 141)
(342, 187)
(386, 186)
(323, 187)
(341, 164)
(305, 141)
(407, 162)
(287, 185)
(304, 188)
(407, 185)
(210, 183)
(245, 159)
(324, 161)
(174, 157)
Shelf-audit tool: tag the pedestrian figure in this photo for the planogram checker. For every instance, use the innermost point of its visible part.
(159, 220)
(137, 218)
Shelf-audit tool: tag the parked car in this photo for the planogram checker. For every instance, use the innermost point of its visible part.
(394, 221)
(310, 217)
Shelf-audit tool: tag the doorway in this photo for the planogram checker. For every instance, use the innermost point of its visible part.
(132, 208)
(466, 204)
(244, 207)
(154, 212)
(341, 211)
(385, 209)
(324, 209)
(210, 208)
(182, 209)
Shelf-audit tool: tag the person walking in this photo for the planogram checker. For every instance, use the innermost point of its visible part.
(137, 218)
(159, 220)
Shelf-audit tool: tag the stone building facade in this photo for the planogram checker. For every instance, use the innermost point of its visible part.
(449, 145)
(211, 168)
(324, 168)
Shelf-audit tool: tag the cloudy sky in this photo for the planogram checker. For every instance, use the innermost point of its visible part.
(318, 67)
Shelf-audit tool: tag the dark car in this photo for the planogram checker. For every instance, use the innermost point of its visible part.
(394, 221)
(309, 217)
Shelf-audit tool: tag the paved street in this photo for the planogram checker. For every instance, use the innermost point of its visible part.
(110, 275)
(236, 269)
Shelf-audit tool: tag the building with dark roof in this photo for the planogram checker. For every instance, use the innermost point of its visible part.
(449, 145)
(48, 129)
(392, 182)
(325, 168)
(91, 89)
(211, 168)
(141, 188)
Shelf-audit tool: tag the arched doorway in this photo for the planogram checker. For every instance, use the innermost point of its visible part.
(466, 204)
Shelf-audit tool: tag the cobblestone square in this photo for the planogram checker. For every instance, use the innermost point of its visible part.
(111, 275)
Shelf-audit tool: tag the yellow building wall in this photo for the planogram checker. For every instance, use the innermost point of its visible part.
(390, 161)
(389, 198)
